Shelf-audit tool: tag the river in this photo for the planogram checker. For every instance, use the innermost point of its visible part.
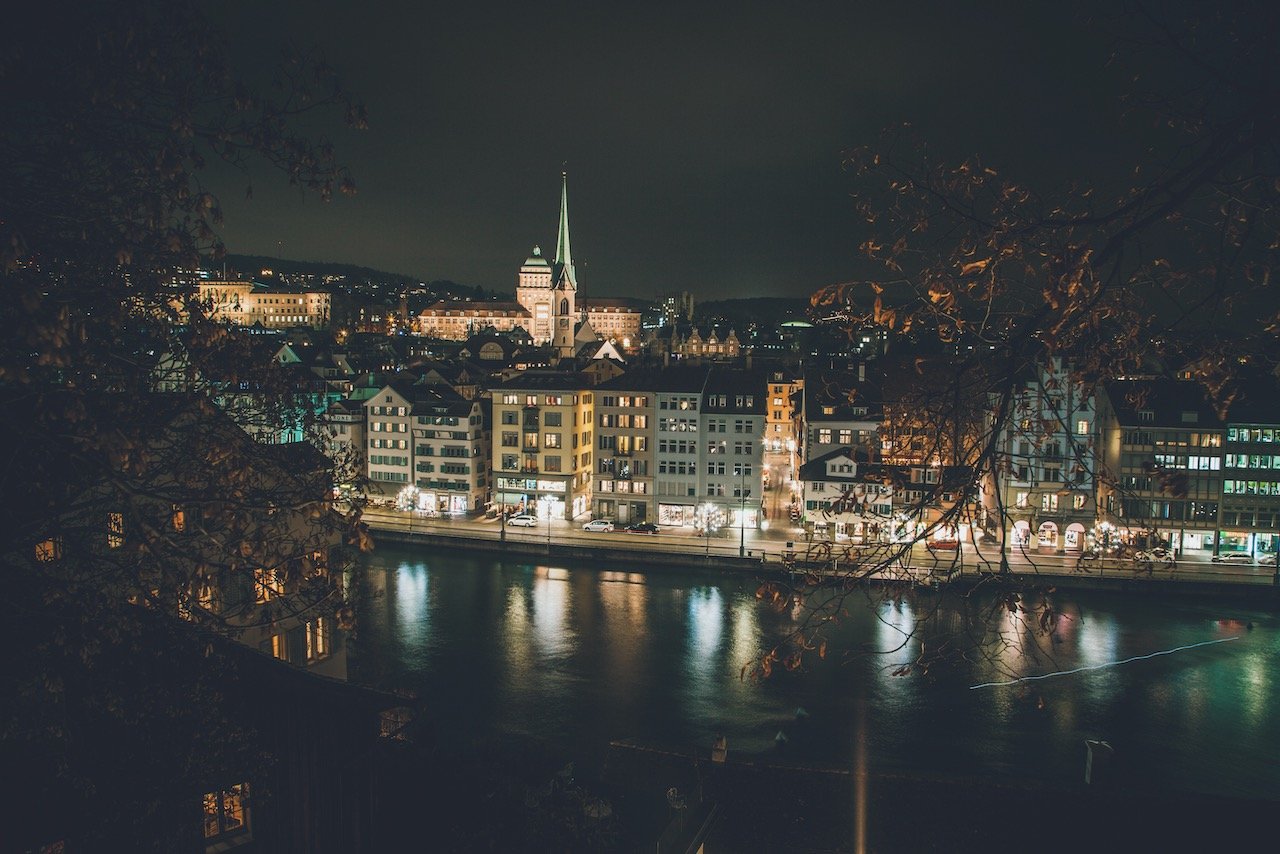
(1186, 691)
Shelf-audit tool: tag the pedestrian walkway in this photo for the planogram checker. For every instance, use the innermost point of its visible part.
(789, 548)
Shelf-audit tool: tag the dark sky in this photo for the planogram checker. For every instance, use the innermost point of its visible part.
(703, 141)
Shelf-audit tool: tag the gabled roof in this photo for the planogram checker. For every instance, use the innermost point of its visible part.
(951, 478)
(674, 379)
(1181, 404)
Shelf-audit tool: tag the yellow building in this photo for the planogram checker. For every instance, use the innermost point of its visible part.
(543, 424)
(458, 320)
(246, 303)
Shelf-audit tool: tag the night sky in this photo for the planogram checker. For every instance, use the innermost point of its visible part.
(703, 145)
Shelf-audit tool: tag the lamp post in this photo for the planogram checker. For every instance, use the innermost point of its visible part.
(742, 510)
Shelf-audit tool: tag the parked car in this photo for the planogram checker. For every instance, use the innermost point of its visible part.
(1233, 557)
(1157, 553)
(523, 520)
(600, 525)
(943, 545)
(642, 528)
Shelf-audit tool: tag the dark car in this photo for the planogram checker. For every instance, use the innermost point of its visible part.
(642, 528)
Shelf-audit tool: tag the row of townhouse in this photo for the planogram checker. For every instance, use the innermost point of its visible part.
(1131, 463)
(867, 474)
(681, 445)
(698, 445)
(1138, 462)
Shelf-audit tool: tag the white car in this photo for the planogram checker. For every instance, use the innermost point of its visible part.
(523, 520)
(598, 525)
(1233, 557)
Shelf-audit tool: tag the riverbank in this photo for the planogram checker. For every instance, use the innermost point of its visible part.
(1253, 589)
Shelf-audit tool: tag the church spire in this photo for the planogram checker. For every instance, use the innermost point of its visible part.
(563, 255)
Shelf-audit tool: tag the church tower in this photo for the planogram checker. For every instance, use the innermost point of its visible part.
(564, 282)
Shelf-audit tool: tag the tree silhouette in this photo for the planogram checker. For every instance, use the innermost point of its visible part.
(142, 526)
(996, 281)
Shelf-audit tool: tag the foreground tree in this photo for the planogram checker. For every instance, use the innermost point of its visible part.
(141, 530)
(999, 285)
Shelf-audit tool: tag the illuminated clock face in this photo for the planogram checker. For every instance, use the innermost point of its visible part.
(564, 322)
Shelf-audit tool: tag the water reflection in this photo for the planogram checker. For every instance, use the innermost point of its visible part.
(576, 657)
(413, 614)
(551, 596)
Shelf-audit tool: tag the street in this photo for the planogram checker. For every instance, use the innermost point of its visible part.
(780, 539)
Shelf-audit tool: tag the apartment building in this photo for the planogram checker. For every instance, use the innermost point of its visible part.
(626, 430)
(678, 440)
(542, 443)
(845, 499)
(1046, 454)
(427, 448)
(839, 410)
(1161, 456)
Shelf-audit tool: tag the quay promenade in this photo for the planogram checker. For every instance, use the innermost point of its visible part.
(782, 550)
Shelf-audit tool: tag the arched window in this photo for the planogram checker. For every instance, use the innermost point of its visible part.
(564, 306)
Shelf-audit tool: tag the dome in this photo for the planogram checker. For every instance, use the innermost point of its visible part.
(536, 259)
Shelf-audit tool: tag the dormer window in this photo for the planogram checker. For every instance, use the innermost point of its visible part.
(828, 410)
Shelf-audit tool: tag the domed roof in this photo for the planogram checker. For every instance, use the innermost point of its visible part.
(536, 259)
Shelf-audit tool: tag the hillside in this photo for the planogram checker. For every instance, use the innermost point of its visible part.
(740, 313)
(249, 265)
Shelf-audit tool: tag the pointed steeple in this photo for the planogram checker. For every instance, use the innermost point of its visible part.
(564, 256)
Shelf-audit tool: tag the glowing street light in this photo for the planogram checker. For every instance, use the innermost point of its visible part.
(706, 526)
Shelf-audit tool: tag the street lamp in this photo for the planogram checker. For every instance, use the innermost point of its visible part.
(742, 510)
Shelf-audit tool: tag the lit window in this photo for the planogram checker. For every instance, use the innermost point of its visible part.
(226, 811)
(179, 519)
(267, 584)
(318, 643)
(49, 550)
(1082, 427)
(115, 530)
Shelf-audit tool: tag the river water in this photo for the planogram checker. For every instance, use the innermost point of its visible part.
(1186, 691)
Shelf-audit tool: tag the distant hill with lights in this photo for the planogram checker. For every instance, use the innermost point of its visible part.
(350, 276)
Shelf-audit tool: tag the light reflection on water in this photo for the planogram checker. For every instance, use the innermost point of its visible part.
(578, 657)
